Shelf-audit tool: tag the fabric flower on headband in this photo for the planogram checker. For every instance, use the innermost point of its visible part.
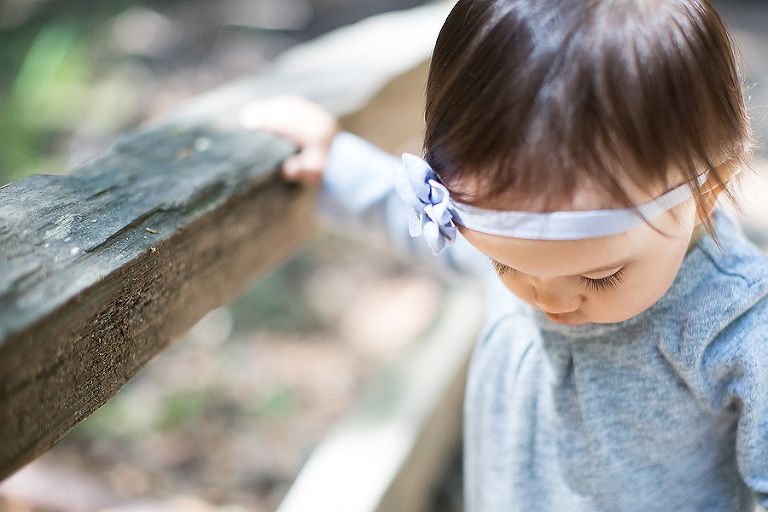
(429, 200)
(435, 215)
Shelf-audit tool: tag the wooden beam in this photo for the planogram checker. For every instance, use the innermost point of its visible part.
(102, 269)
(390, 451)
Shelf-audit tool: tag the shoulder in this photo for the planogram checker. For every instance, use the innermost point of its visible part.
(510, 325)
(717, 327)
(734, 277)
(720, 285)
(508, 348)
(718, 281)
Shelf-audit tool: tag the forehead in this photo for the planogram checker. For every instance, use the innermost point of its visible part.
(583, 195)
(557, 258)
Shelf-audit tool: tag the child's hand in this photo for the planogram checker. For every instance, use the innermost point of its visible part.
(306, 124)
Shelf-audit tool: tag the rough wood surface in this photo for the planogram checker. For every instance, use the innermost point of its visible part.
(102, 269)
(390, 452)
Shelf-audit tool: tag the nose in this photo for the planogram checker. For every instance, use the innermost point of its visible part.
(555, 299)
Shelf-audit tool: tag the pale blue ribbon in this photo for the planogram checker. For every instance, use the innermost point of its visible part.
(434, 215)
(429, 200)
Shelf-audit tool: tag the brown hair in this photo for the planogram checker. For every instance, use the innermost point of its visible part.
(538, 96)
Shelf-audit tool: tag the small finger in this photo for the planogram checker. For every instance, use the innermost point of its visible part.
(306, 167)
(312, 159)
(292, 168)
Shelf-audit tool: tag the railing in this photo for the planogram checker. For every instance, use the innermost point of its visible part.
(104, 268)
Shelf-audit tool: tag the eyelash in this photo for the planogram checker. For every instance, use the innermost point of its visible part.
(604, 283)
(501, 268)
(596, 285)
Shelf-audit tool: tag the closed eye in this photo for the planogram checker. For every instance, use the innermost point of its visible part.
(604, 283)
(501, 268)
(596, 285)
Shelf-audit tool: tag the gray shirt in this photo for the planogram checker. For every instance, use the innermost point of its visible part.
(665, 411)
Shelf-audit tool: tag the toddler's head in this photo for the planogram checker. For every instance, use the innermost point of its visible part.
(530, 102)
(568, 105)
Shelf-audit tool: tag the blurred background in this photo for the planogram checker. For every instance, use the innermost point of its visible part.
(73, 73)
(224, 420)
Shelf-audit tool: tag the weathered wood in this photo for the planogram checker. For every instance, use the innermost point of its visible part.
(105, 268)
(390, 452)
(102, 269)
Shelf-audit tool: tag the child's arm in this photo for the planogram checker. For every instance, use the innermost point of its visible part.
(356, 177)
(301, 121)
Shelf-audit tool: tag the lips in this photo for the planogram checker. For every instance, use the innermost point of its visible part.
(564, 319)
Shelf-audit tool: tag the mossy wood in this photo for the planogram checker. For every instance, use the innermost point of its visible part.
(102, 269)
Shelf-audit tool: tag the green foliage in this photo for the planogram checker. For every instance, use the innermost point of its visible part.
(50, 70)
(52, 78)
(48, 94)
(275, 404)
(182, 408)
(276, 302)
(134, 412)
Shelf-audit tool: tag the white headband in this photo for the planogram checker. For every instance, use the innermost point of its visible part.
(434, 214)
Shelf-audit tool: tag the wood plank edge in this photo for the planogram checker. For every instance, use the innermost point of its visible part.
(387, 455)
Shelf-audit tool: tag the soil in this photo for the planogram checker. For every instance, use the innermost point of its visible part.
(224, 420)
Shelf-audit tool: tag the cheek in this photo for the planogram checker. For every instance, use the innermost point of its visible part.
(649, 281)
(519, 287)
(664, 272)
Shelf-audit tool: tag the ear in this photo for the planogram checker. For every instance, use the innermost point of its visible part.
(711, 189)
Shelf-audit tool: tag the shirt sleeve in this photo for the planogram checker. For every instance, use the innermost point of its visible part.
(744, 377)
(734, 375)
(358, 193)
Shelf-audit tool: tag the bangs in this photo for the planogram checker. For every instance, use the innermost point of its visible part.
(531, 100)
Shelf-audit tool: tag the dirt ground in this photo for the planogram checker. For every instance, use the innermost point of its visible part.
(224, 420)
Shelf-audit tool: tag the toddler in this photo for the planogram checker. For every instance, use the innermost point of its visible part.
(580, 146)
